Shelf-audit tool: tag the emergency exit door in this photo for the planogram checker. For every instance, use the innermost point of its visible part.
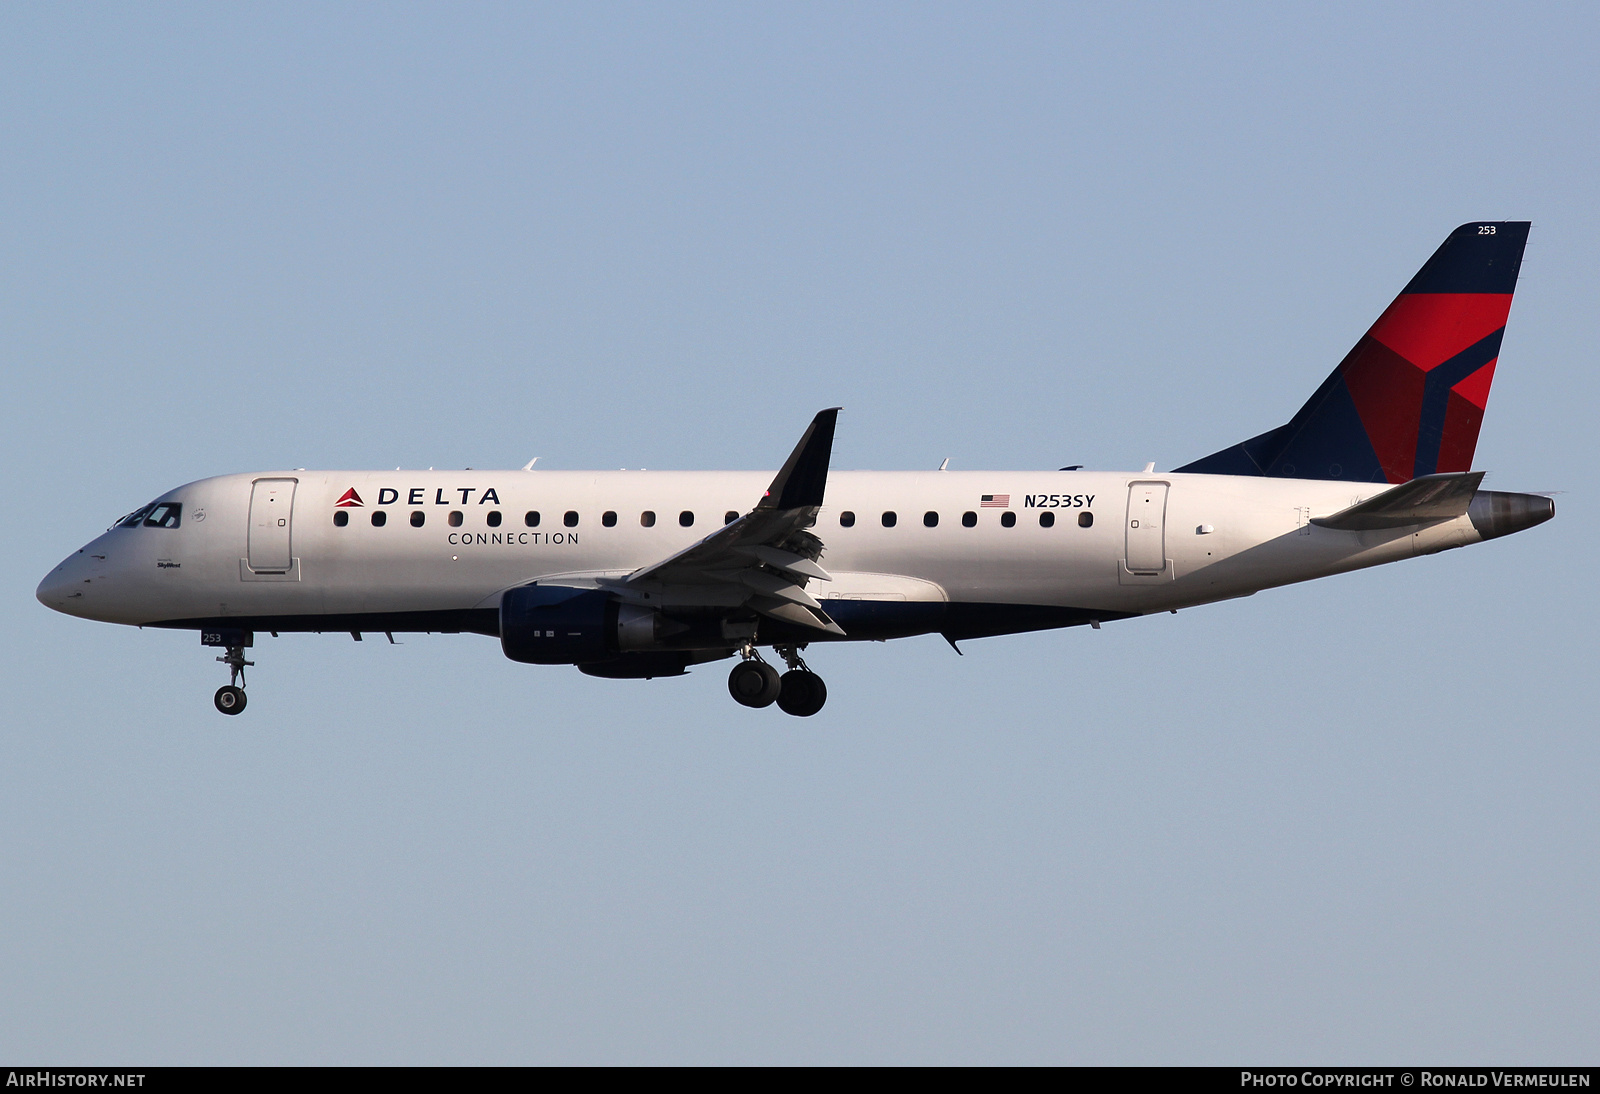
(1146, 527)
(271, 516)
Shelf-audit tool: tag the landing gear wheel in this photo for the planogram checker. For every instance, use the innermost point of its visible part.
(230, 698)
(803, 693)
(754, 683)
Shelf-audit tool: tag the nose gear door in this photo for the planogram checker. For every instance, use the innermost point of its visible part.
(271, 513)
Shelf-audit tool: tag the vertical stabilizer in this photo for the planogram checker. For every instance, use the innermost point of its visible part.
(1408, 400)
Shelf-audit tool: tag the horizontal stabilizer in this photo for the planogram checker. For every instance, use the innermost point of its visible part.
(1425, 500)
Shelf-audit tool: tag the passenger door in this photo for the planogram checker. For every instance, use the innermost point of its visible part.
(271, 516)
(1146, 528)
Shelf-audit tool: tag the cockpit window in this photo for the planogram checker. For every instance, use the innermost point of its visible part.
(135, 518)
(164, 515)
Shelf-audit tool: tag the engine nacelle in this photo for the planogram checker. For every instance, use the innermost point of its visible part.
(555, 625)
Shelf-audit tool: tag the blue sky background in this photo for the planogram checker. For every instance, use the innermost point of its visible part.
(1350, 821)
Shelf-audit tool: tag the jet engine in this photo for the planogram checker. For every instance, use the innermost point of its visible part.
(556, 625)
(553, 625)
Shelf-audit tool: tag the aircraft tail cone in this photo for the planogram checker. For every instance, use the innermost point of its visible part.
(1496, 513)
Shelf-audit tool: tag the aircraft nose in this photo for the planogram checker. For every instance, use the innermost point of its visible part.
(63, 587)
(52, 591)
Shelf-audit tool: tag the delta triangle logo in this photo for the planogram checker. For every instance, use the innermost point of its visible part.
(349, 500)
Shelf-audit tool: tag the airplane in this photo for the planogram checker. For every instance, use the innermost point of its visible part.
(639, 574)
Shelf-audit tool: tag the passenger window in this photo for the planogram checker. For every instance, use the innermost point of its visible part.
(686, 519)
(608, 519)
(379, 518)
(341, 517)
(647, 519)
(455, 518)
(164, 515)
(1085, 519)
(418, 518)
(730, 516)
(531, 519)
(889, 518)
(571, 518)
(847, 519)
(493, 519)
(1008, 520)
(969, 519)
(1047, 520)
(930, 519)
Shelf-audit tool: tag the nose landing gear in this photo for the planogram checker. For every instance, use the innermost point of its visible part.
(230, 698)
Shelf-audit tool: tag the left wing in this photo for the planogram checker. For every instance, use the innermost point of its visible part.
(764, 559)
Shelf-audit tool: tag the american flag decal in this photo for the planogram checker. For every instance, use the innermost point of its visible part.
(995, 501)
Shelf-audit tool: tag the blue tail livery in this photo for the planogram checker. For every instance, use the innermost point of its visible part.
(1409, 398)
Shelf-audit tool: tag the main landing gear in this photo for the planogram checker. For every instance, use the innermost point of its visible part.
(754, 683)
(230, 698)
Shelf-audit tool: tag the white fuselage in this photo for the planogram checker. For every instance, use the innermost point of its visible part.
(1152, 542)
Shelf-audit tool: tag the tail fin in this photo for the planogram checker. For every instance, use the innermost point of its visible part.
(1409, 398)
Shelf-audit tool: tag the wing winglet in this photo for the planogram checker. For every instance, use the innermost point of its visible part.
(804, 475)
(1427, 499)
(725, 569)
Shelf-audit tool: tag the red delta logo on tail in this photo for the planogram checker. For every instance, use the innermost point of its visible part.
(349, 500)
(1408, 400)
